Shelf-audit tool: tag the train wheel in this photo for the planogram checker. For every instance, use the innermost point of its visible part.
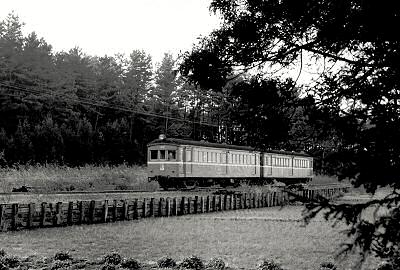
(188, 185)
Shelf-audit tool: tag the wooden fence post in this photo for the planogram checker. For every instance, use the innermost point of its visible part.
(30, 215)
(189, 203)
(15, 218)
(202, 204)
(135, 209)
(182, 206)
(43, 214)
(151, 207)
(168, 206)
(214, 203)
(59, 215)
(70, 213)
(144, 208)
(208, 204)
(160, 207)
(125, 210)
(3, 225)
(196, 202)
(174, 207)
(105, 211)
(92, 211)
(115, 210)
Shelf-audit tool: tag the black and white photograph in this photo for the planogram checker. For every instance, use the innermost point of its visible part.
(199, 135)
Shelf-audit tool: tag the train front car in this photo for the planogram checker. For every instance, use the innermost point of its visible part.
(164, 162)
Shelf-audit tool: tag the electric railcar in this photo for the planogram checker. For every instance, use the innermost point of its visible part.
(178, 163)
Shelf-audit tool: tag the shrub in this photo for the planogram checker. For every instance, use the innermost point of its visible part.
(269, 265)
(112, 258)
(130, 263)
(2, 253)
(58, 264)
(192, 262)
(216, 264)
(108, 266)
(62, 256)
(3, 266)
(166, 262)
(327, 266)
(11, 261)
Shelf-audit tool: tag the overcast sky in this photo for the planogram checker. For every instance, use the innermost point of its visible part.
(102, 27)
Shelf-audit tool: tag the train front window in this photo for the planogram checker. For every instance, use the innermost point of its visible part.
(153, 154)
(171, 154)
(162, 154)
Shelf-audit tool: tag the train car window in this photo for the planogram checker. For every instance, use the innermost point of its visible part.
(171, 154)
(162, 154)
(153, 154)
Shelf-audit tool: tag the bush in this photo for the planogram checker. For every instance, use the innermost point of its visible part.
(166, 262)
(2, 253)
(216, 264)
(108, 266)
(130, 264)
(269, 265)
(58, 264)
(62, 256)
(3, 266)
(327, 266)
(113, 258)
(11, 261)
(192, 262)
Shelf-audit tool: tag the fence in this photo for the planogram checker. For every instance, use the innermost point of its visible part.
(28, 216)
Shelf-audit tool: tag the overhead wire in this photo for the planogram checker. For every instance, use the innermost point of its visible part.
(108, 106)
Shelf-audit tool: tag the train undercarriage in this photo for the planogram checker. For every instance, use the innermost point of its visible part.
(169, 183)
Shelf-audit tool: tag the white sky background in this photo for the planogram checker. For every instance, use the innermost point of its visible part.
(101, 27)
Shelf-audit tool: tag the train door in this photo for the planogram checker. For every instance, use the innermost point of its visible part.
(269, 163)
(188, 160)
(291, 166)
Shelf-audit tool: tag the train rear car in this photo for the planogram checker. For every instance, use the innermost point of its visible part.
(287, 167)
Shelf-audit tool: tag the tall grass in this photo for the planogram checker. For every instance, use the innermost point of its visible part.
(63, 178)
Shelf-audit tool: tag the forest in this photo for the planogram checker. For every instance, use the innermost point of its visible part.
(71, 108)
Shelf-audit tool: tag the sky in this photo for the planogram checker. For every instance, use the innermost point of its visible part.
(101, 27)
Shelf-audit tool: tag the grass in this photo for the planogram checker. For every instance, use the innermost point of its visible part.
(62, 178)
(241, 238)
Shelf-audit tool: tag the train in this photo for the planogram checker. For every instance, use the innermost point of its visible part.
(187, 164)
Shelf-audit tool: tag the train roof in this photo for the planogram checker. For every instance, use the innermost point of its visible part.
(220, 145)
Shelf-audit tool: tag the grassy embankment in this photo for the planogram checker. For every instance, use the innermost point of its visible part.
(89, 177)
(241, 238)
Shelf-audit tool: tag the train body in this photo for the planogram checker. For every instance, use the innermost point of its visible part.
(178, 163)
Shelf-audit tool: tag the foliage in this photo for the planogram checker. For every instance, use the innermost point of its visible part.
(327, 266)
(108, 266)
(216, 264)
(192, 262)
(10, 261)
(269, 265)
(112, 258)
(166, 262)
(357, 87)
(62, 256)
(130, 263)
(60, 264)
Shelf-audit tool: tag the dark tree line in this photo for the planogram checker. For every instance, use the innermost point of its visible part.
(72, 108)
